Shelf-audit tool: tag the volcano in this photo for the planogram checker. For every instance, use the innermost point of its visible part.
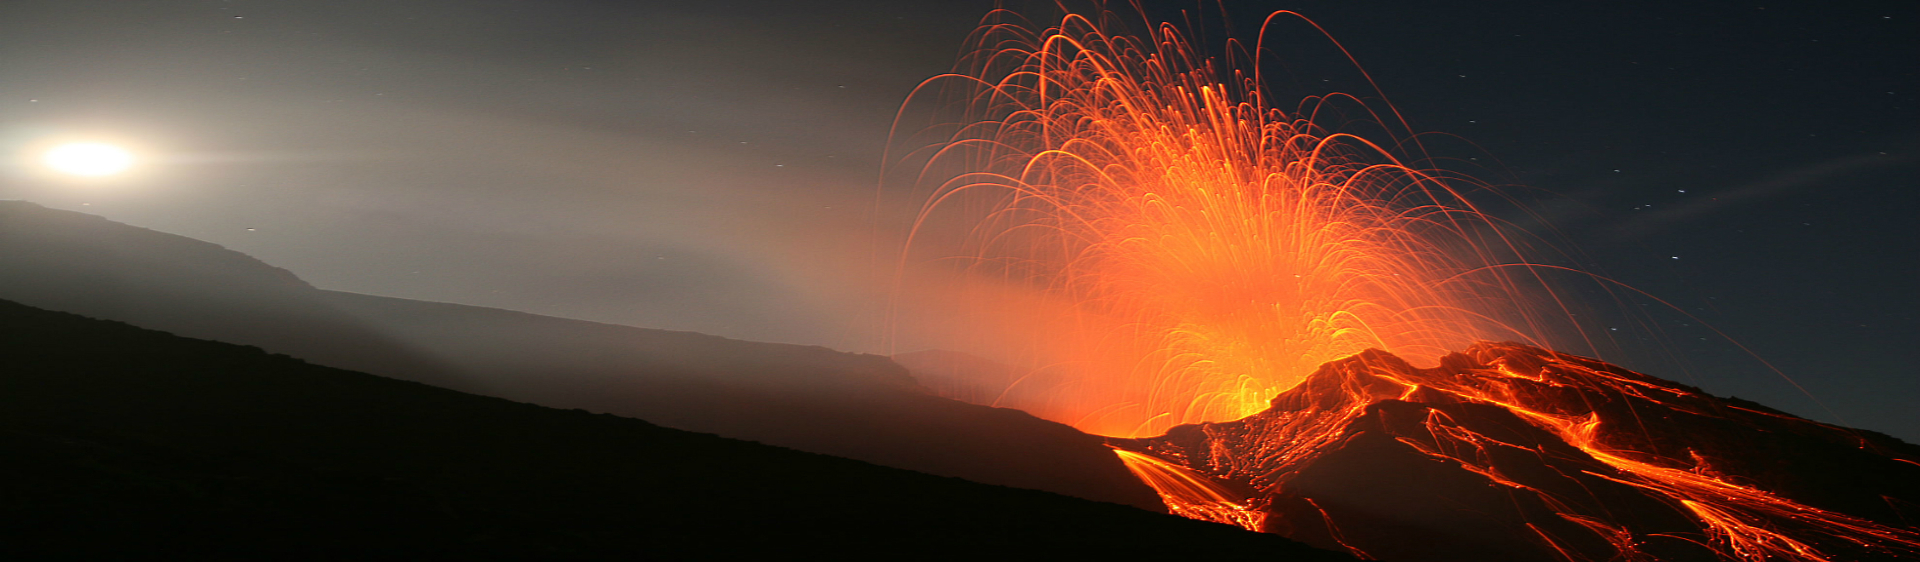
(1165, 250)
(1512, 452)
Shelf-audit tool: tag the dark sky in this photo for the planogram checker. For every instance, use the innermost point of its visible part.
(709, 166)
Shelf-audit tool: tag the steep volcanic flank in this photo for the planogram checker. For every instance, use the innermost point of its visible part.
(1509, 452)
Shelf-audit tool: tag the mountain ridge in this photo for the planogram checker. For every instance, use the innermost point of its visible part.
(805, 397)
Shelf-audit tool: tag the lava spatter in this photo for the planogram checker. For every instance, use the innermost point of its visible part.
(1187, 250)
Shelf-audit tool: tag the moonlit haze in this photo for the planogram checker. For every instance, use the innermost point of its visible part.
(89, 159)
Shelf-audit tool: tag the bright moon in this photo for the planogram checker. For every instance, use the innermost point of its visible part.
(89, 159)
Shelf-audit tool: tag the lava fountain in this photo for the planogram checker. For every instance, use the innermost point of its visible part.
(1187, 250)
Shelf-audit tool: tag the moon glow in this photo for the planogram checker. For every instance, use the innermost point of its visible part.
(88, 159)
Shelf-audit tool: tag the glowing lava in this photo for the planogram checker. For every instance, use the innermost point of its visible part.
(1191, 495)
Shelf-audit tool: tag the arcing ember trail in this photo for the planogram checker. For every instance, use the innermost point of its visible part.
(1211, 280)
(1192, 251)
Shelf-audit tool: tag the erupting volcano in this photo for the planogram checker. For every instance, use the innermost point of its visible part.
(1174, 262)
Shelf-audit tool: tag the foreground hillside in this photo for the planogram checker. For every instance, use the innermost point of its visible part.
(122, 441)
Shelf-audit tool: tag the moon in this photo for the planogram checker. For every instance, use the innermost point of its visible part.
(89, 159)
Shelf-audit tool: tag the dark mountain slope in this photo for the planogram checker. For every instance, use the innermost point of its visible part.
(810, 398)
(122, 442)
(962, 376)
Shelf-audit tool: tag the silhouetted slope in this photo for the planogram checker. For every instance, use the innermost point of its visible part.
(960, 376)
(1509, 452)
(124, 442)
(809, 398)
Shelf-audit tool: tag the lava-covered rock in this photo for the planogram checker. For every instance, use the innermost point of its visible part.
(1511, 452)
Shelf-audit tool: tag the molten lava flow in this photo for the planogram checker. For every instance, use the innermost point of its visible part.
(1190, 495)
(1194, 252)
(1746, 523)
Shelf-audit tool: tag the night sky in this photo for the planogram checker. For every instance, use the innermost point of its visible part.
(711, 166)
